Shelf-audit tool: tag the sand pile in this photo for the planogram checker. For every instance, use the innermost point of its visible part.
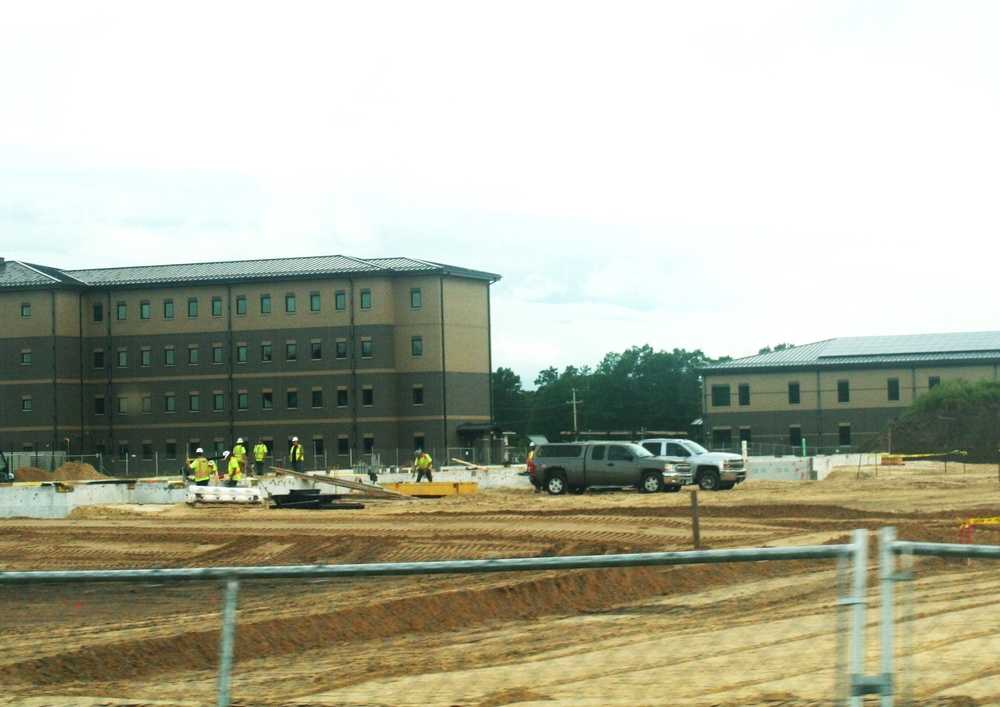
(70, 471)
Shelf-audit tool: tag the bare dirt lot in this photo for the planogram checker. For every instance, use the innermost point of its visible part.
(729, 634)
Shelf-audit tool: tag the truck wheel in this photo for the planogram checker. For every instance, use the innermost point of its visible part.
(709, 480)
(556, 485)
(651, 483)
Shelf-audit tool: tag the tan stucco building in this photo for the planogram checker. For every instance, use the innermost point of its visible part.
(835, 394)
(353, 356)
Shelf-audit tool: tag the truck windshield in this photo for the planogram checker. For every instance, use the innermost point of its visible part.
(639, 452)
(695, 447)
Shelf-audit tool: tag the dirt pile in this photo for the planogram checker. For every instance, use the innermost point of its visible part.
(70, 471)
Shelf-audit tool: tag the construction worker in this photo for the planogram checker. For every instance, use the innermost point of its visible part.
(240, 453)
(297, 455)
(423, 465)
(202, 470)
(234, 470)
(259, 454)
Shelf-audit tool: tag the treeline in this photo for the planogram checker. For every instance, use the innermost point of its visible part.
(636, 390)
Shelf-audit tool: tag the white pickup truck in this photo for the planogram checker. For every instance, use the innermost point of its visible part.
(712, 471)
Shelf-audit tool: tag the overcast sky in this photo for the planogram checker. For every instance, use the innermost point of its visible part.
(720, 176)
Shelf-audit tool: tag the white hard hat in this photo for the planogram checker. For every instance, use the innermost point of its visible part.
(295, 439)
(225, 453)
(199, 450)
(239, 441)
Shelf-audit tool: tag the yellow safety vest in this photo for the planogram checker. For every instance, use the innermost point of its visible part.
(202, 469)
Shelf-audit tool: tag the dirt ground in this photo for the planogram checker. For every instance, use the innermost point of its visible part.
(764, 633)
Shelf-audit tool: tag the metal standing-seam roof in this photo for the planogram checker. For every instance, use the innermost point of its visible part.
(18, 274)
(873, 350)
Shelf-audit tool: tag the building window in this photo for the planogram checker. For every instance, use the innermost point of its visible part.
(292, 399)
(342, 397)
(366, 299)
(121, 311)
(893, 385)
(341, 348)
(318, 449)
(317, 398)
(720, 396)
(366, 348)
(169, 357)
(217, 402)
(171, 450)
(843, 391)
(417, 346)
(340, 300)
(291, 352)
(933, 382)
(194, 402)
(122, 405)
(26, 403)
(416, 299)
(722, 438)
(290, 304)
(122, 359)
(368, 444)
(367, 396)
(147, 451)
(418, 395)
(25, 309)
(343, 446)
(193, 307)
(123, 451)
(98, 359)
(316, 350)
(745, 436)
(794, 394)
(743, 393)
(26, 357)
(216, 306)
(267, 400)
(147, 404)
(241, 305)
(170, 402)
(845, 435)
(265, 304)
(419, 441)
(241, 353)
(144, 310)
(193, 355)
(265, 353)
(98, 312)
(99, 405)
(217, 354)
(145, 358)
(314, 301)
(168, 309)
(243, 400)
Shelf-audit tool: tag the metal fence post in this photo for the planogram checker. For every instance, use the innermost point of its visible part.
(887, 569)
(859, 602)
(227, 640)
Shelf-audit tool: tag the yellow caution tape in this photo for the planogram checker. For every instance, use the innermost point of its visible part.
(969, 522)
(937, 454)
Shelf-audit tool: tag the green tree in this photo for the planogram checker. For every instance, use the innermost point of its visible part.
(510, 402)
(552, 405)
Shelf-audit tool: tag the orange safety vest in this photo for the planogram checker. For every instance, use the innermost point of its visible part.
(202, 469)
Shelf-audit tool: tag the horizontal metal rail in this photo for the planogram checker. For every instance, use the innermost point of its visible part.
(642, 559)
(902, 547)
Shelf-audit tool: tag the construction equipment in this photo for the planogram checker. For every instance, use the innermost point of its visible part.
(370, 489)
(6, 475)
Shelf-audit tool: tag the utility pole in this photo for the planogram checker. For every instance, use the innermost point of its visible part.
(574, 401)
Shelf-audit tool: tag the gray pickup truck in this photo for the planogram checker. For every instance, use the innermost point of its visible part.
(576, 466)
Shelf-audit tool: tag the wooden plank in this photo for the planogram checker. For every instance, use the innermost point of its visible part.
(370, 489)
